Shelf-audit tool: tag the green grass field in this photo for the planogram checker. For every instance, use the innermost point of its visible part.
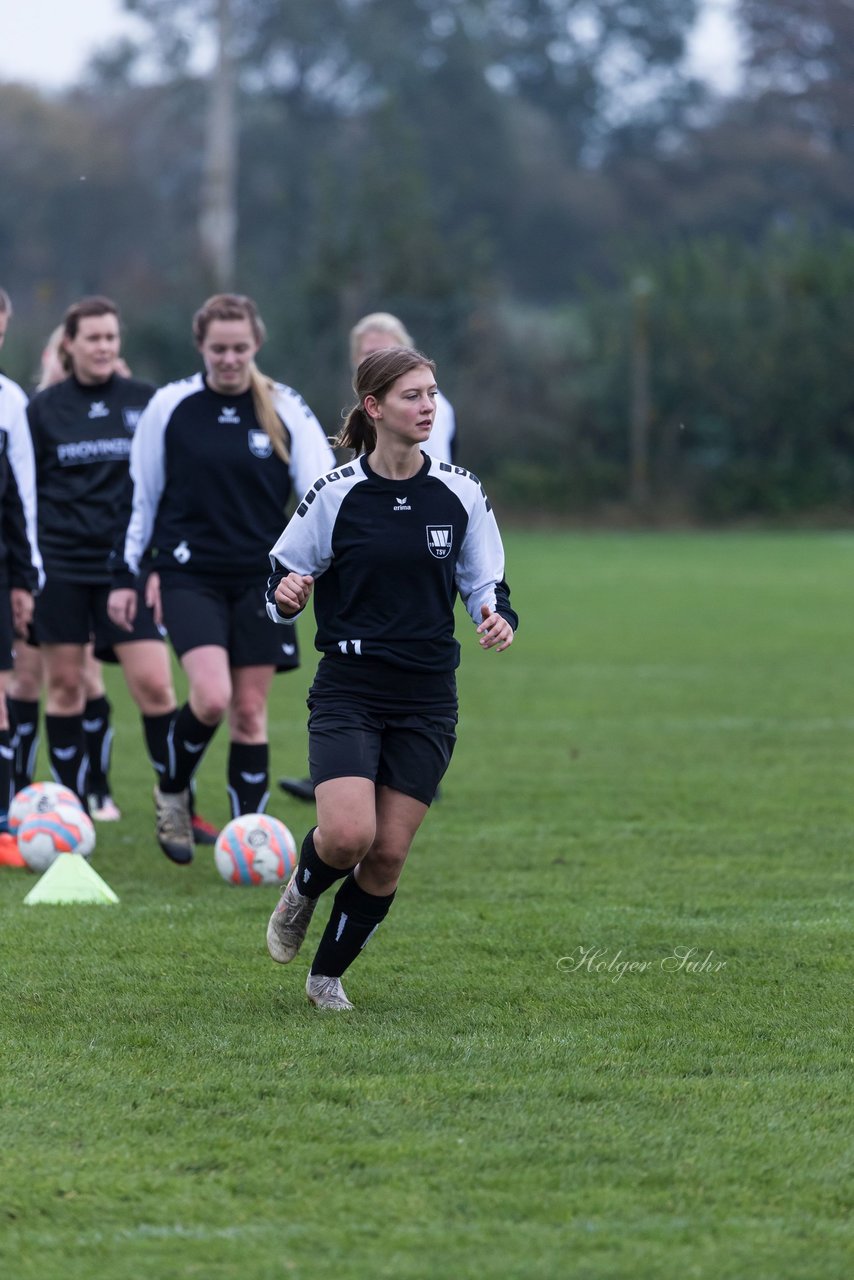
(536, 1083)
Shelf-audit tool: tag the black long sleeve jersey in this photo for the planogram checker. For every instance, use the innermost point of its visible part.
(389, 556)
(82, 439)
(209, 492)
(17, 445)
(17, 562)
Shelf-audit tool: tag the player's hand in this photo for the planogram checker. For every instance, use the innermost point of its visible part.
(292, 593)
(121, 607)
(22, 610)
(495, 632)
(153, 598)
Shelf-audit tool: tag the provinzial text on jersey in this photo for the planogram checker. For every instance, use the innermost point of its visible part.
(112, 450)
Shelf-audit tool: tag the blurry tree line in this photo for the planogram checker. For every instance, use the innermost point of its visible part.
(638, 293)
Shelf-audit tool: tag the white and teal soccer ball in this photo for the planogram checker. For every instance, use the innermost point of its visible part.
(255, 849)
(43, 836)
(38, 797)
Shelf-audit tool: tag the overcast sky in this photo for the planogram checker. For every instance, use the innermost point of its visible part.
(48, 42)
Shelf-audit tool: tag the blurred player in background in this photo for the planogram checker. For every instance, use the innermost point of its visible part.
(214, 461)
(82, 428)
(19, 562)
(25, 684)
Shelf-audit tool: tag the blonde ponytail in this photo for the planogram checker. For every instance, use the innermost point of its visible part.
(262, 389)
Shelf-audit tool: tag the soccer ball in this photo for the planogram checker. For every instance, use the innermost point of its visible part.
(38, 798)
(65, 828)
(255, 849)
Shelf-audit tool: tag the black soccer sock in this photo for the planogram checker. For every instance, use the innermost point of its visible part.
(188, 738)
(156, 730)
(24, 720)
(355, 916)
(248, 777)
(66, 744)
(99, 744)
(7, 756)
(314, 876)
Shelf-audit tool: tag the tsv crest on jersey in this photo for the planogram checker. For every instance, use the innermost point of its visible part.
(260, 443)
(439, 539)
(130, 417)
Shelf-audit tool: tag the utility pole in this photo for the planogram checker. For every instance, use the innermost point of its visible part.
(640, 409)
(218, 214)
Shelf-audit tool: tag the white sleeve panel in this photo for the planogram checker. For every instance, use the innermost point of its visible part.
(439, 446)
(13, 420)
(311, 453)
(148, 464)
(480, 564)
(305, 546)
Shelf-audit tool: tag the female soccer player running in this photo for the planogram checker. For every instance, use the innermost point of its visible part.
(82, 428)
(376, 332)
(389, 540)
(213, 461)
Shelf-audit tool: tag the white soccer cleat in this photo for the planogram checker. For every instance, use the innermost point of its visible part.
(326, 993)
(103, 808)
(174, 825)
(289, 923)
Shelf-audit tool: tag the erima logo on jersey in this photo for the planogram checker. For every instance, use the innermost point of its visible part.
(439, 539)
(289, 649)
(229, 415)
(402, 505)
(182, 553)
(260, 444)
(98, 410)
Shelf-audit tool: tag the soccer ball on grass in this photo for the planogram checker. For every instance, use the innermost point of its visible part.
(38, 797)
(65, 828)
(255, 849)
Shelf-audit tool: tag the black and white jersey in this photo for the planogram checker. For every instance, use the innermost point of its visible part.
(389, 557)
(16, 554)
(17, 444)
(81, 440)
(209, 492)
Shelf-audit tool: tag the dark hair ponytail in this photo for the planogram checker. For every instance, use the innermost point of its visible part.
(377, 372)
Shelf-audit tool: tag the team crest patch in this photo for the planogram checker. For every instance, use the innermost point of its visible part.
(439, 539)
(131, 417)
(260, 444)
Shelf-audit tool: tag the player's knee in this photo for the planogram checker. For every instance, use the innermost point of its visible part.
(66, 693)
(385, 861)
(248, 721)
(209, 704)
(346, 840)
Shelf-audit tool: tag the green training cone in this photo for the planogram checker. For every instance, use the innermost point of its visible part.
(70, 879)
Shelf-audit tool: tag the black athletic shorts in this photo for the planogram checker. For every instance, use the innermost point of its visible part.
(7, 635)
(232, 615)
(371, 720)
(76, 612)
